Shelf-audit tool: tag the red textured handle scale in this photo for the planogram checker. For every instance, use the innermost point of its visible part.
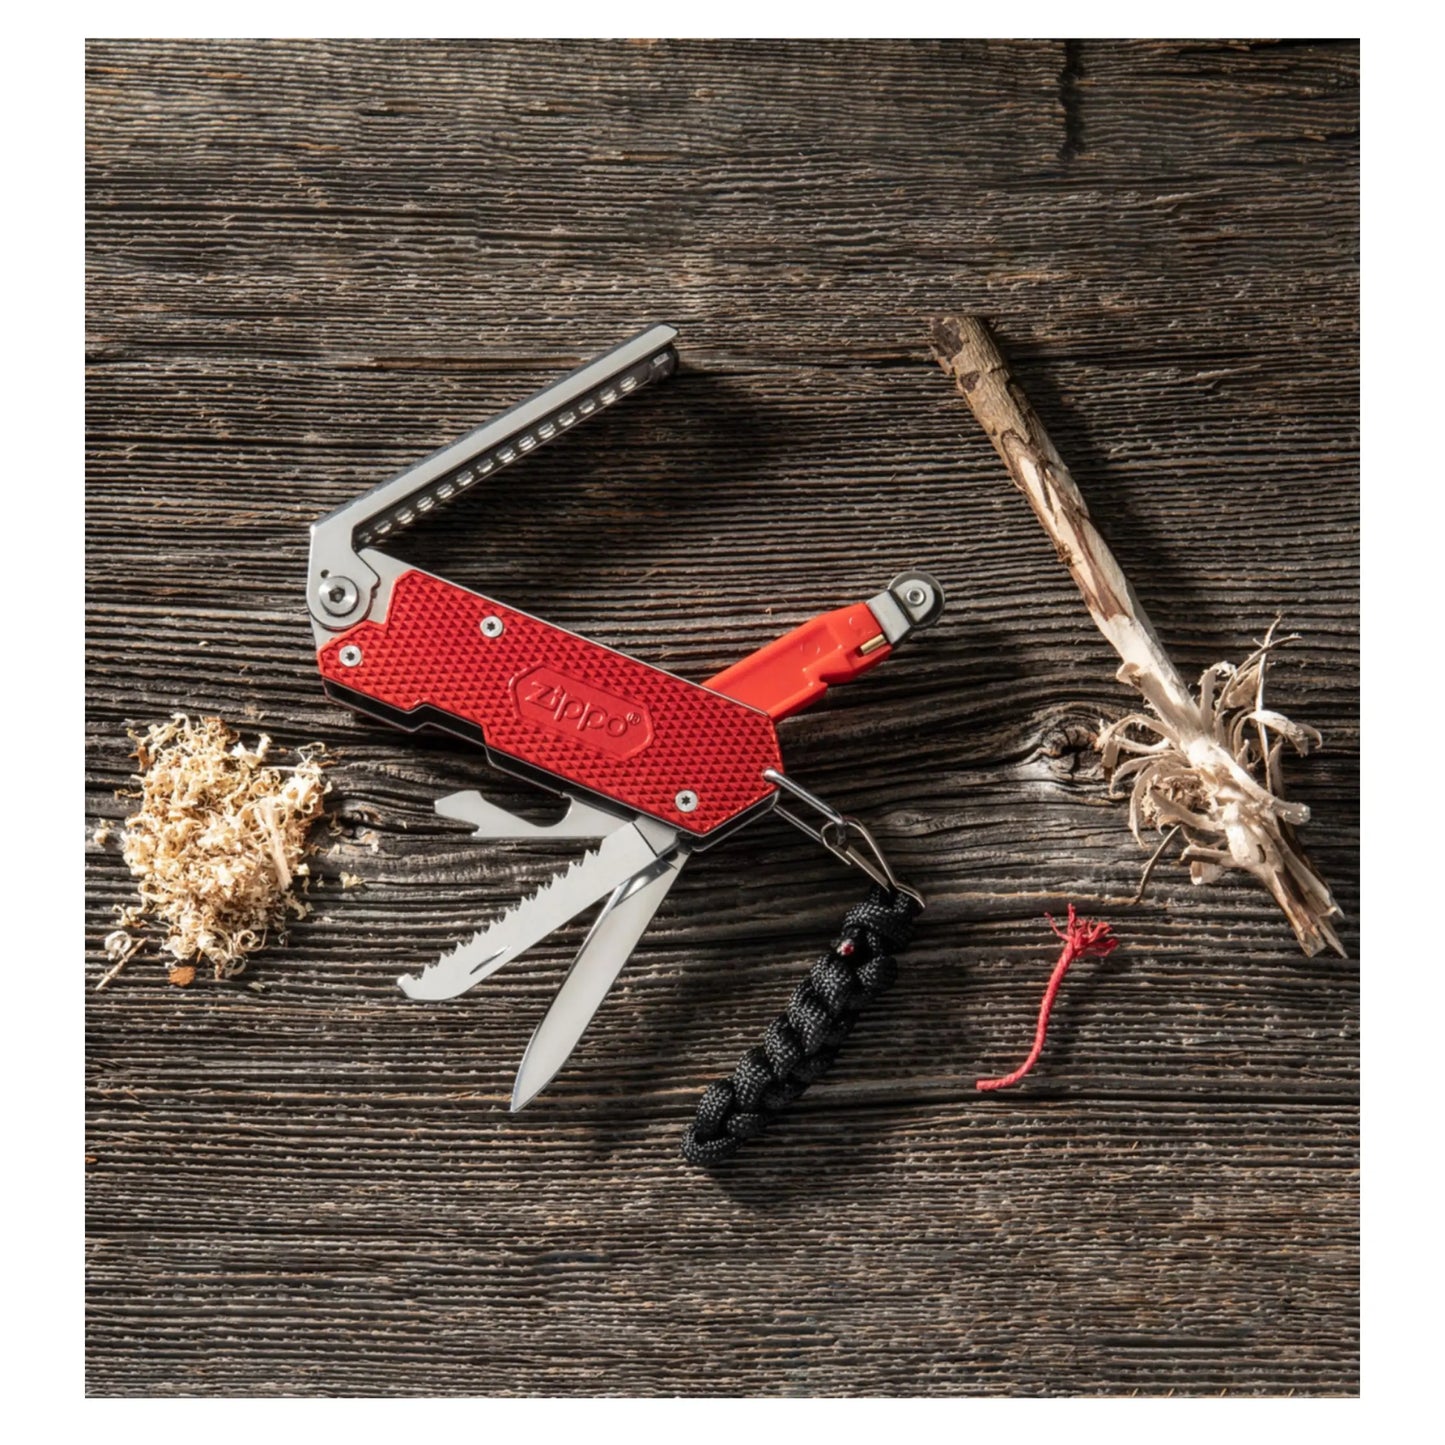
(554, 702)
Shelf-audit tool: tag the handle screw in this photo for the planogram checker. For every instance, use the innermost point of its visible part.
(350, 655)
(686, 801)
(492, 627)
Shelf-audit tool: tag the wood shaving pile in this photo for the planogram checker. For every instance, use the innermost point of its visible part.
(1231, 816)
(217, 844)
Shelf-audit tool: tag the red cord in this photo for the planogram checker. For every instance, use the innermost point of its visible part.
(1081, 940)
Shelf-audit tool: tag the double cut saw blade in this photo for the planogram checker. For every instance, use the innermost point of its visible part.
(621, 856)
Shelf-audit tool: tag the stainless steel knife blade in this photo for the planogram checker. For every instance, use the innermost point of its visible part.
(600, 959)
(621, 856)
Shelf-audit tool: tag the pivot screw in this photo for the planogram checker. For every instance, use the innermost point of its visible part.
(686, 801)
(338, 595)
(492, 627)
(350, 655)
(916, 595)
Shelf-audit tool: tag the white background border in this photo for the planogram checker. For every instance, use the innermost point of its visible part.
(1401, 479)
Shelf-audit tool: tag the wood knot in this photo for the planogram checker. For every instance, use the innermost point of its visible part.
(1069, 750)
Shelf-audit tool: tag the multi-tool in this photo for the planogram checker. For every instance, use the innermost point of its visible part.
(655, 768)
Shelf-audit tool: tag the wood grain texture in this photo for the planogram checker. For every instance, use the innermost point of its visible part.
(311, 262)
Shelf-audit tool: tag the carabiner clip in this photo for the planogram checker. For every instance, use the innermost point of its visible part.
(834, 835)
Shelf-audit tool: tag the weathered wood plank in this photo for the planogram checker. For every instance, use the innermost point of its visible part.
(309, 263)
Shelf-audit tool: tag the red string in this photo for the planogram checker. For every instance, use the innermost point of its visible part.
(1085, 939)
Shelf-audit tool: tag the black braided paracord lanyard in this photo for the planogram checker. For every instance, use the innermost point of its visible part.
(802, 1042)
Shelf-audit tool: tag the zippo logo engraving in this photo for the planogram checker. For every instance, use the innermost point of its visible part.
(576, 709)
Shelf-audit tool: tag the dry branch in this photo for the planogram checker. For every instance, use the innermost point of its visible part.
(1207, 764)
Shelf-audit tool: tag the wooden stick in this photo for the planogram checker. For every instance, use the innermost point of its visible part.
(1198, 773)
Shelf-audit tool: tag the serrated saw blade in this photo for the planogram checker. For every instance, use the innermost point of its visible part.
(633, 847)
